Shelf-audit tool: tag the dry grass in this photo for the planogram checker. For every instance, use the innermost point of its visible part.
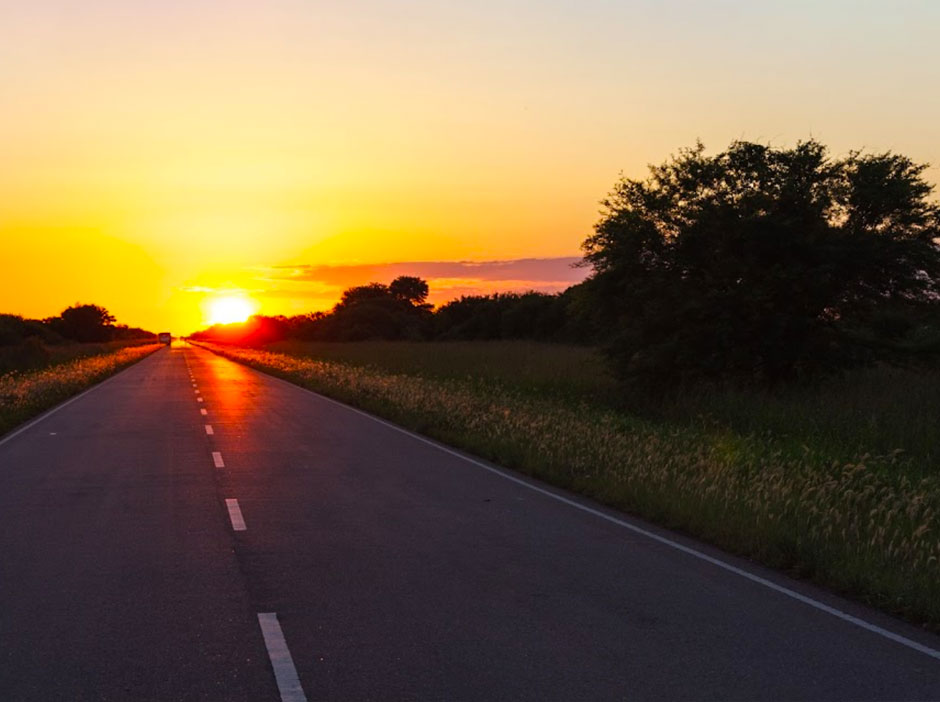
(862, 526)
(23, 395)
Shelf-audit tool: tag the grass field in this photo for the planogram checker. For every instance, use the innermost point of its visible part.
(26, 394)
(876, 411)
(570, 372)
(32, 354)
(836, 482)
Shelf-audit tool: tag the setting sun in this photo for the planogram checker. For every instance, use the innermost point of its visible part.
(229, 310)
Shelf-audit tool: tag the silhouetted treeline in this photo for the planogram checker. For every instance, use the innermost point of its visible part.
(399, 311)
(759, 265)
(766, 265)
(32, 343)
(532, 315)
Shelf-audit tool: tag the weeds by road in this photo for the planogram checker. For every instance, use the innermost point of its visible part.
(23, 395)
(877, 411)
(866, 525)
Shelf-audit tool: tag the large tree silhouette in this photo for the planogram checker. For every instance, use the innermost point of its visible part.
(84, 323)
(760, 263)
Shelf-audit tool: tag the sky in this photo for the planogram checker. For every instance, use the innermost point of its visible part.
(159, 155)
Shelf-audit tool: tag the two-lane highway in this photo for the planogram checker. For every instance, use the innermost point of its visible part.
(117, 578)
(193, 529)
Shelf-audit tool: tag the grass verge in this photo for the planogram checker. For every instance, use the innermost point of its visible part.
(864, 526)
(24, 395)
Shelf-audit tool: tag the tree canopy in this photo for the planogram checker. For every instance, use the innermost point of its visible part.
(760, 263)
(399, 311)
(84, 323)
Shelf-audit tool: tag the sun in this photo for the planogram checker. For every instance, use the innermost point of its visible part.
(230, 309)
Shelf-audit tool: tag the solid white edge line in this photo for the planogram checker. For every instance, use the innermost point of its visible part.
(217, 459)
(235, 515)
(209, 430)
(65, 403)
(285, 674)
(793, 594)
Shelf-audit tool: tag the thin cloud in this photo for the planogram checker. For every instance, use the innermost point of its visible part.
(536, 271)
(308, 288)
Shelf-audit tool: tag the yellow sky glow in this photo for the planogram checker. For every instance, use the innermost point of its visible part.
(158, 156)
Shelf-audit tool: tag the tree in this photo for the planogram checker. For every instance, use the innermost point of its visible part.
(377, 311)
(530, 315)
(759, 263)
(410, 289)
(84, 323)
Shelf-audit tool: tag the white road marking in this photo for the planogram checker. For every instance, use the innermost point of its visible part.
(288, 684)
(202, 410)
(217, 459)
(209, 430)
(196, 391)
(769, 584)
(48, 413)
(235, 514)
(198, 399)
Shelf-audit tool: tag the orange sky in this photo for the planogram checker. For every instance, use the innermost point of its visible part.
(157, 155)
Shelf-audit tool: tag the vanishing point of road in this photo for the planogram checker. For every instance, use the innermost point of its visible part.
(192, 529)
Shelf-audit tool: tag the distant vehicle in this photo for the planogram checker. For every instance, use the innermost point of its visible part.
(165, 337)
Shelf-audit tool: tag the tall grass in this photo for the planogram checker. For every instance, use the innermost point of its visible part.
(865, 526)
(878, 411)
(33, 354)
(25, 394)
(558, 370)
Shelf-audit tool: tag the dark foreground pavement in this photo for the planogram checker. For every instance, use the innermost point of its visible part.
(396, 570)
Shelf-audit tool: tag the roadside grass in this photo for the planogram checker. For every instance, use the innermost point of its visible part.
(556, 370)
(26, 394)
(33, 354)
(878, 411)
(864, 524)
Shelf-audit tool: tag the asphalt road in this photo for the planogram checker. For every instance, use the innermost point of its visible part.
(137, 551)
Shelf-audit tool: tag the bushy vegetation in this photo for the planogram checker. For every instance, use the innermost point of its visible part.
(530, 315)
(399, 312)
(766, 265)
(80, 330)
(25, 394)
(776, 477)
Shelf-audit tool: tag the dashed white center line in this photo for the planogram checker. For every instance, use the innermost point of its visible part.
(235, 514)
(196, 391)
(198, 399)
(288, 684)
(209, 430)
(217, 459)
(203, 411)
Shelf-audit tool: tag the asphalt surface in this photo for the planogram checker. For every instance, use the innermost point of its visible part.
(396, 570)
